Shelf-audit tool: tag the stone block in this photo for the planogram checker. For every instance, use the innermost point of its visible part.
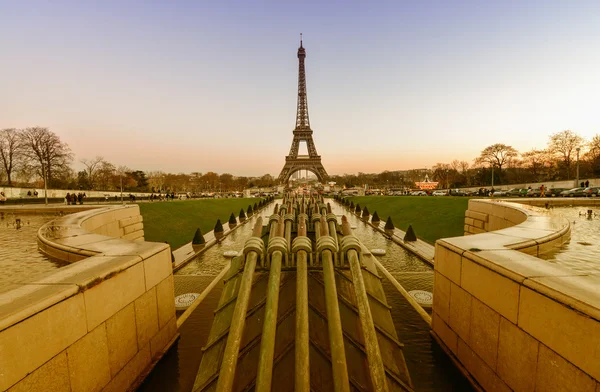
(554, 373)
(484, 375)
(32, 342)
(165, 296)
(130, 221)
(496, 223)
(121, 333)
(146, 317)
(163, 337)
(448, 263)
(477, 230)
(485, 324)
(579, 292)
(113, 294)
(133, 235)
(497, 291)
(441, 295)
(517, 357)
(112, 229)
(125, 212)
(53, 376)
(132, 228)
(88, 361)
(480, 206)
(469, 221)
(21, 301)
(123, 380)
(446, 334)
(476, 215)
(157, 268)
(479, 224)
(574, 336)
(460, 311)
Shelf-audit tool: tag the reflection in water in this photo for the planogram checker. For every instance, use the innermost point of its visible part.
(430, 368)
(582, 252)
(19, 255)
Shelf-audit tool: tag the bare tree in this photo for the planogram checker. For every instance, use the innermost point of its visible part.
(563, 144)
(45, 152)
(91, 169)
(10, 148)
(105, 176)
(594, 148)
(497, 155)
(537, 161)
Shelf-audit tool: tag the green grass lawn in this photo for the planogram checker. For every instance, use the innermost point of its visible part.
(177, 221)
(431, 217)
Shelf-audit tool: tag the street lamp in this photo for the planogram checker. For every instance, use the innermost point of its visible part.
(577, 180)
(44, 172)
(493, 165)
(447, 179)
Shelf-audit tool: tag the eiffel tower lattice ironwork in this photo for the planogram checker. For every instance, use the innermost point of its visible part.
(302, 133)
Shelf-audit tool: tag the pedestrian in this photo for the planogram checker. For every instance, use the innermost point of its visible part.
(2, 197)
(67, 198)
(582, 184)
(587, 183)
(542, 191)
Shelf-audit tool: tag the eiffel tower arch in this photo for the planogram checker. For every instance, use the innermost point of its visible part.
(302, 133)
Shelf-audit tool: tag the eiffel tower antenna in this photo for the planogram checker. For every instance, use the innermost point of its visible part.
(302, 133)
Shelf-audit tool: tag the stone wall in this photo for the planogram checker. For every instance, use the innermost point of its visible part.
(96, 324)
(512, 320)
(18, 193)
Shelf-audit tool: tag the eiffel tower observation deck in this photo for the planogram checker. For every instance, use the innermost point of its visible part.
(302, 133)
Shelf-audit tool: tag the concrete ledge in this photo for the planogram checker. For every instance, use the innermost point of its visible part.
(503, 305)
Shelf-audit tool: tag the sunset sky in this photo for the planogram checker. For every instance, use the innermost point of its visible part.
(189, 86)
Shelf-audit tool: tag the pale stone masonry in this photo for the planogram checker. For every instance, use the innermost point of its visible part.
(97, 324)
(512, 320)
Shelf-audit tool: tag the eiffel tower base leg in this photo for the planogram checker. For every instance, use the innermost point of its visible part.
(293, 166)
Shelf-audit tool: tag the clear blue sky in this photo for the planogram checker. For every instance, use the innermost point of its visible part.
(196, 86)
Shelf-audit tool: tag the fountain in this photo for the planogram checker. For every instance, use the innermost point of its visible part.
(303, 269)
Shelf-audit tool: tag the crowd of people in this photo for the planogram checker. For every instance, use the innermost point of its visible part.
(73, 199)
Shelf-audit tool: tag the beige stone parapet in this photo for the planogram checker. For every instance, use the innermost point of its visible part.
(98, 323)
(511, 319)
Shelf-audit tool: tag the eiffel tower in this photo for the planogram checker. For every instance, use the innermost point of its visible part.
(302, 133)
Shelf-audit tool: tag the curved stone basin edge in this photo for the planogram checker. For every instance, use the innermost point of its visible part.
(510, 318)
(98, 323)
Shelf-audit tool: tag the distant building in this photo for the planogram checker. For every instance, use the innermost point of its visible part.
(427, 184)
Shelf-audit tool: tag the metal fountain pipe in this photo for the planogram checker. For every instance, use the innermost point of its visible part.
(253, 249)
(316, 219)
(424, 315)
(276, 250)
(325, 245)
(288, 221)
(351, 247)
(301, 247)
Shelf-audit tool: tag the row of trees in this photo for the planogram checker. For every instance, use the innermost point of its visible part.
(566, 153)
(30, 155)
(33, 152)
(33, 155)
